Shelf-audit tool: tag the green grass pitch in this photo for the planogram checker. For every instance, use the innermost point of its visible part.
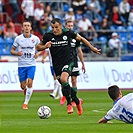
(13, 119)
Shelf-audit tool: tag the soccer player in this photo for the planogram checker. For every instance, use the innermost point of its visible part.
(123, 106)
(57, 92)
(26, 46)
(75, 48)
(58, 41)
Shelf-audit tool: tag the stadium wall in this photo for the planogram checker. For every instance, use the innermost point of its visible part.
(99, 75)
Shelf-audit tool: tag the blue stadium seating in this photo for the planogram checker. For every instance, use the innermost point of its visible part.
(124, 41)
(122, 31)
(103, 40)
(130, 31)
(5, 46)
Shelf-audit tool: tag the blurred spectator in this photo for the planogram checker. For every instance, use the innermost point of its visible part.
(9, 29)
(124, 9)
(130, 2)
(109, 6)
(70, 15)
(115, 18)
(79, 6)
(114, 43)
(103, 7)
(1, 30)
(93, 16)
(27, 7)
(38, 13)
(96, 5)
(130, 45)
(45, 22)
(15, 9)
(1, 10)
(84, 25)
(50, 14)
(130, 18)
(103, 27)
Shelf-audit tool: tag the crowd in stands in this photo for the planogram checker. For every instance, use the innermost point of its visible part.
(96, 20)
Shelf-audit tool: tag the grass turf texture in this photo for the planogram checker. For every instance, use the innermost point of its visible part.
(16, 120)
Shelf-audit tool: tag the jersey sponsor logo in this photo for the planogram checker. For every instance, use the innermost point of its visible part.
(52, 39)
(60, 43)
(27, 47)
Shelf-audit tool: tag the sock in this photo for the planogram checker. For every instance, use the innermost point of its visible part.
(67, 92)
(56, 85)
(28, 95)
(60, 91)
(74, 97)
(75, 89)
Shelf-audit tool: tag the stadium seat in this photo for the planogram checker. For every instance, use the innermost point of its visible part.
(2, 41)
(103, 40)
(124, 41)
(112, 27)
(9, 40)
(130, 31)
(6, 46)
(66, 7)
(122, 31)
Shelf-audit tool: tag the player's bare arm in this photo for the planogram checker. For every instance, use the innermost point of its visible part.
(84, 41)
(37, 54)
(13, 52)
(42, 46)
(102, 120)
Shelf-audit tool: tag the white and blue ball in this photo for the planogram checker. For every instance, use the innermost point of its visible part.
(44, 112)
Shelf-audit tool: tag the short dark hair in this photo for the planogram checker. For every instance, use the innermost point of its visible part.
(56, 20)
(113, 92)
(68, 21)
(27, 21)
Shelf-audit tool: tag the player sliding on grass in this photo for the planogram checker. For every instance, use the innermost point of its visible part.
(123, 106)
(26, 43)
(58, 41)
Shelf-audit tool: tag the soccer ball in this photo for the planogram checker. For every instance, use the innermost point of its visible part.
(44, 112)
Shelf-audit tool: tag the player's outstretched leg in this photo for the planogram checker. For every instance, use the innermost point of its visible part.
(67, 93)
(27, 98)
(56, 85)
(77, 101)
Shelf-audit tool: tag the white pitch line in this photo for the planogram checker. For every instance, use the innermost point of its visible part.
(98, 110)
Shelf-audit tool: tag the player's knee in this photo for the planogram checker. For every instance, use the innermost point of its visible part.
(63, 80)
(23, 86)
(29, 85)
(74, 82)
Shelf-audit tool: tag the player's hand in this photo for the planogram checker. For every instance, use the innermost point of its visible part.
(42, 61)
(48, 44)
(36, 56)
(19, 53)
(98, 51)
(83, 69)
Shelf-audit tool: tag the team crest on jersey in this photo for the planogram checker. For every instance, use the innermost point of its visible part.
(64, 37)
(33, 40)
